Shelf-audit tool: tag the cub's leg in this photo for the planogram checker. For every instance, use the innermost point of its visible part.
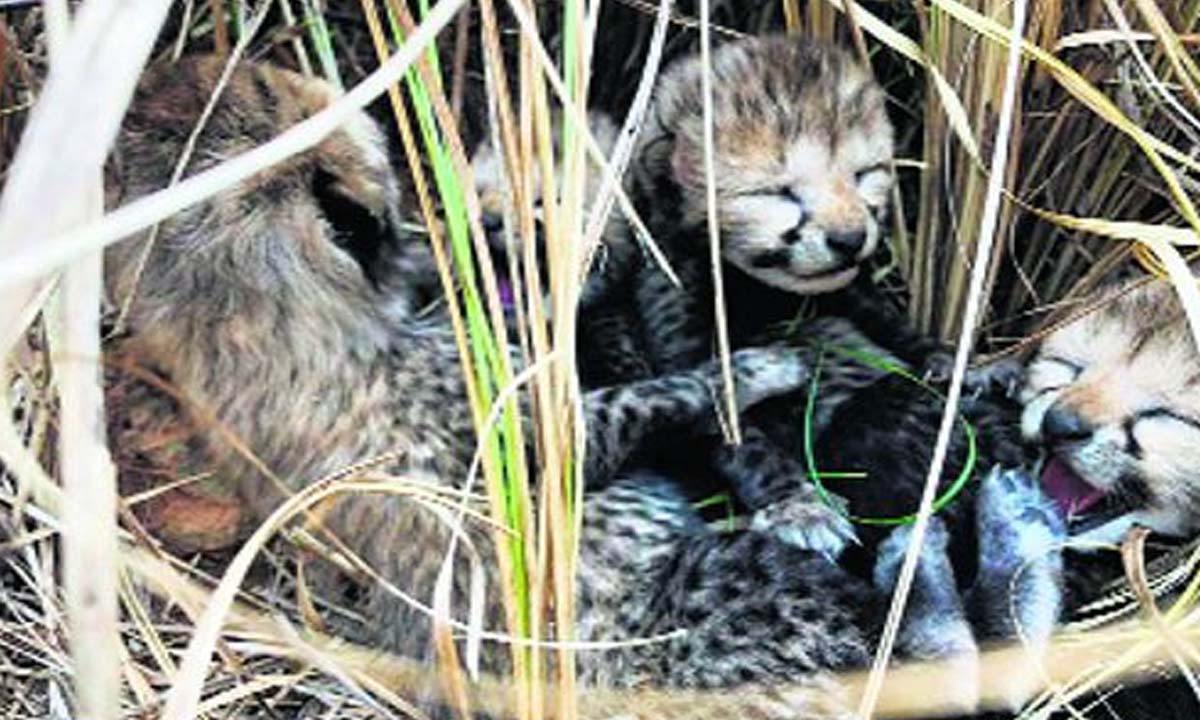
(761, 620)
(620, 418)
(1018, 592)
(786, 504)
(1019, 587)
(935, 626)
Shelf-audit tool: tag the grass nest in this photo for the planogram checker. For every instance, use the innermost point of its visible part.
(1102, 166)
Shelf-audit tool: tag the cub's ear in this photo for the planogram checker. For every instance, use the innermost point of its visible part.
(356, 230)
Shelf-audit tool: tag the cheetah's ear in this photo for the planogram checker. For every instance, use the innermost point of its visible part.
(356, 230)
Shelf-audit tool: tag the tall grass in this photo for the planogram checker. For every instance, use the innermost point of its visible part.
(1098, 170)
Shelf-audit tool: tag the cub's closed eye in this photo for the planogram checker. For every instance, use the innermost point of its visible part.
(1162, 413)
(877, 167)
(1075, 368)
(1048, 373)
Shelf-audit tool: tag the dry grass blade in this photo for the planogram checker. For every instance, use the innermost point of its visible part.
(1133, 555)
(731, 425)
(1144, 65)
(89, 529)
(627, 140)
(450, 668)
(1154, 148)
(19, 460)
(289, 19)
(792, 17)
(1101, 172)
(1186, 70)
(579, 117)
(1119, 229)
(185, 691)
(917, 690)
(89, 491)
(70, 130)
(220, 26)
(952, 105)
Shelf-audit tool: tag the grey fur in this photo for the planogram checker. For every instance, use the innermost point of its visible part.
(278, 310)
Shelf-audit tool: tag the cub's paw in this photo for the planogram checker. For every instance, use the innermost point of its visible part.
(1019, 587)
(938, 367)
(889, 556)
(1002, 378)
(760, 373)
(1016, 521)
(809, 524)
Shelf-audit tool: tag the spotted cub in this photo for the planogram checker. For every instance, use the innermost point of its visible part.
(803, 147)
(802, 152)
(1112, 399)
(278, 309)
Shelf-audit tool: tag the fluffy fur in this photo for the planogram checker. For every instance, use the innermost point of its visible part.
(607, 351)
(279, 309)
(802, 151)
(803, 147)
(1112, 399)
(1115, 399)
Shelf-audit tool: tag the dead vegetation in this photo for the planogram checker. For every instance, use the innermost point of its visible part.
(98, 619)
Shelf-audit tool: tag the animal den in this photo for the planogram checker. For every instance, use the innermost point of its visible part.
(598, 360)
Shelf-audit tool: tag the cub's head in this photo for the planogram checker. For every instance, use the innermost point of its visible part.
(1115, 399)
(802, 152)
(616, 254)
(307, 251)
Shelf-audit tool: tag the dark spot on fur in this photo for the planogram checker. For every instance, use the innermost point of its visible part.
(262, 85)
(356, 230)
(777, 258)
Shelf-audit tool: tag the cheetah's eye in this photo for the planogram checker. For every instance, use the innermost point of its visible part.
(1169, 415)
(1053, 372)
(1073, 367)
(790, 195)
(787, 192)
(1165, 423)
(868, 171)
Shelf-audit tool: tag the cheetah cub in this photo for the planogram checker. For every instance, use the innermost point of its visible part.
(802, 152)
(1112, 400)
(607, 353)
(802, 155)
(278, 309)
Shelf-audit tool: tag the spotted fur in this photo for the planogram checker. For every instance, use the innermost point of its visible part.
(802, 154)
(279, 310)
(1115, 396)
(608, 350)
(1111, 398)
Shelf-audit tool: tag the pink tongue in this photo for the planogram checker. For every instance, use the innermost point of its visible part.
(1066, 488)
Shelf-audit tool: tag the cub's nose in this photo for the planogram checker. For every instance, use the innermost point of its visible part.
(493, 229)
(492, 222)
(847, 243)
(1063, 425)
